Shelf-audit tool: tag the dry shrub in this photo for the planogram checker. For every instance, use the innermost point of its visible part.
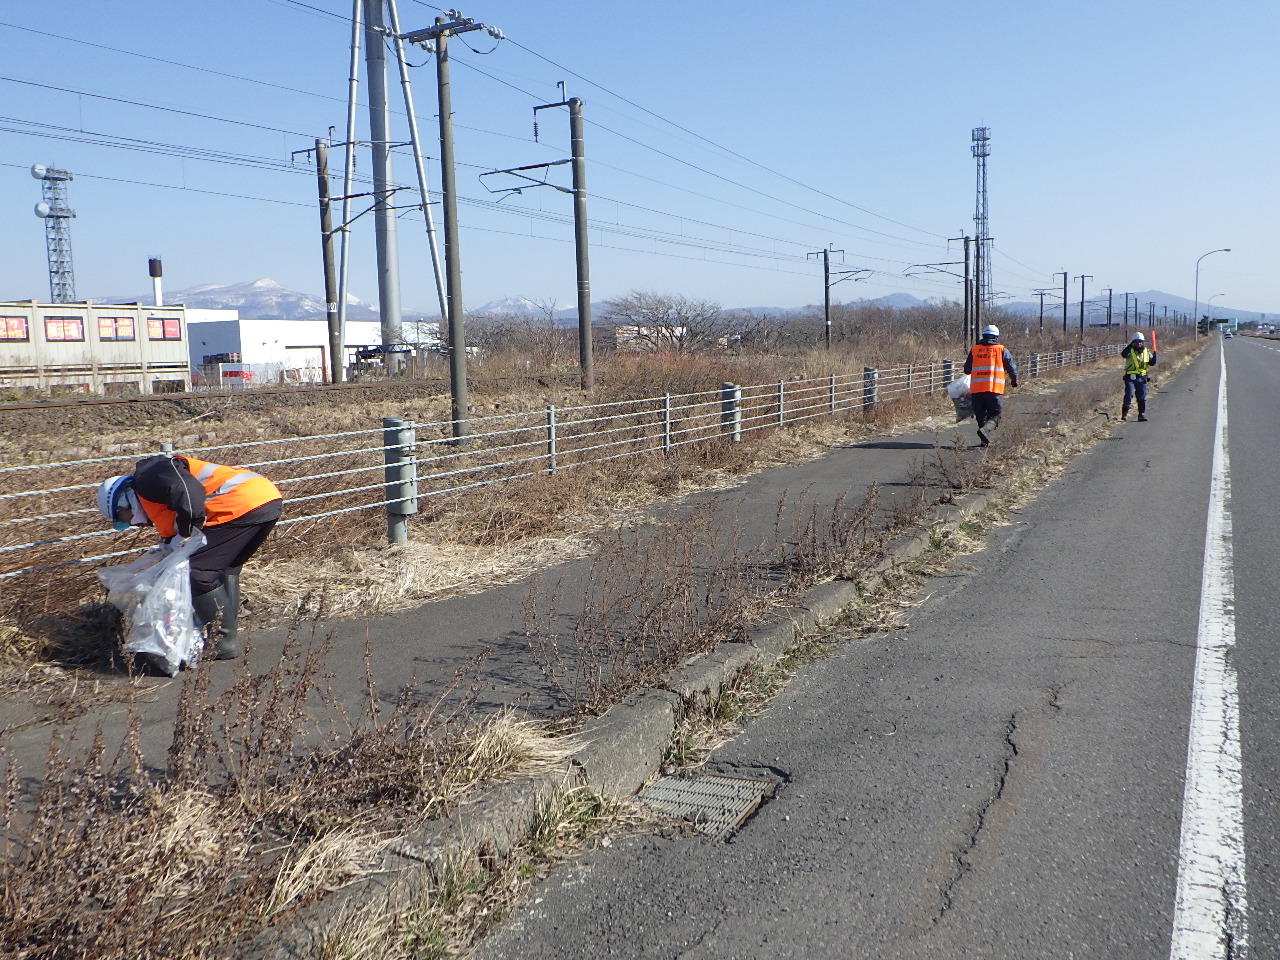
(258, 813)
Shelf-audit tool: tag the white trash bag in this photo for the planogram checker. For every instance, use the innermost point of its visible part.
(154, 594)
(958, 391)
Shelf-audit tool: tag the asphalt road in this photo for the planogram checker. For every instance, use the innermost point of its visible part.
(1007, 777)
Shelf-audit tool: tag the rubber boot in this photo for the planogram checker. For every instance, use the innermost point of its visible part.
(1124, 412)
(231, 618)
(214, 606)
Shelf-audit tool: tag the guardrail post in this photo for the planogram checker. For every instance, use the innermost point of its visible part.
(666, 423)
(551, 438)
(831, 392)
(870, 386)
(400, 473)
(1035, 365)
(948, 371)
(782, 403)
(731, 410)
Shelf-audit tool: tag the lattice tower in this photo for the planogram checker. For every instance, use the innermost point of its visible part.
(981, 150)
(57, 235)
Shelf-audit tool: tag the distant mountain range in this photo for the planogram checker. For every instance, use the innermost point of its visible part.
(1096, 308)
(258, 299)
(267, 300)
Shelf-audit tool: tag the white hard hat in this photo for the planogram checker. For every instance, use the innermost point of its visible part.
(991, 330)
(1139, 336)
(109, 493)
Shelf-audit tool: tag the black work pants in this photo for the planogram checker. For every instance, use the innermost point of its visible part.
(986, 407)
(227, 550)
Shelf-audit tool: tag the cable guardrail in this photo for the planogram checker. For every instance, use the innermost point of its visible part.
(423, 461)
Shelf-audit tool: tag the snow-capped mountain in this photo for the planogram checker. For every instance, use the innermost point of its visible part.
(259, 299)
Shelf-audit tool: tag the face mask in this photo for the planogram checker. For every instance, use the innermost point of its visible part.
(139, 517)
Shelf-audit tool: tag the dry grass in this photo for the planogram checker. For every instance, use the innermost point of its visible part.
(258, 813)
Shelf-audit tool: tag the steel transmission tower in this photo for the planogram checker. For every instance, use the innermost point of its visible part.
(982, 250)
(55, 213)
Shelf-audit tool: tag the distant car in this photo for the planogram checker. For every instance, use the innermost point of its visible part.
(1227, 334)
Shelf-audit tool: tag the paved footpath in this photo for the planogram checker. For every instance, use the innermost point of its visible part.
(425, 647)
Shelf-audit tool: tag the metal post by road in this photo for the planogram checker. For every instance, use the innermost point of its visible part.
(400, 474)
(330, 272)
(666, 423)
(870, 386)
(731, 411)
(551, 438)
(782, 403)
(585, 362)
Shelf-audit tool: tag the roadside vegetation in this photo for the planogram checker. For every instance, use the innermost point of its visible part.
(273, 797)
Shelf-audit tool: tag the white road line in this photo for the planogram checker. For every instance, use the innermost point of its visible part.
(1210, 918)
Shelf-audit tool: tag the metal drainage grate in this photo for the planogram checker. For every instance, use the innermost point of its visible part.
(716, 805)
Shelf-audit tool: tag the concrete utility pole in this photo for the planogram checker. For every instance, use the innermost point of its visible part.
(1064, 275)
(1108, 308)
(577, 151)
(437, 37)
(1082, 279)
(970, 326)
(384, 213)
(330, 272)
(578, 160)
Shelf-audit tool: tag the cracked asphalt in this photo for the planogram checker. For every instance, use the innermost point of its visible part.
(1004, 777)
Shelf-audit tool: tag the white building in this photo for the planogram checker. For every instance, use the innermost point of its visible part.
(226, 349)
(93, 348)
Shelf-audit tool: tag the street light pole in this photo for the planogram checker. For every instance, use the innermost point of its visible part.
(1195, 310)
(1209, 304)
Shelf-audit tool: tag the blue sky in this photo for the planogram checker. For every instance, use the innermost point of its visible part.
(725, 141)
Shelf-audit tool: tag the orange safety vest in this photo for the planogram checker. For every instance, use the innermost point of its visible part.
(230, 492)
(987, 375)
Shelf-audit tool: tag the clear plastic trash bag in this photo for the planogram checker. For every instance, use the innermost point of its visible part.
(958, 388)
(958, 391)
(154, 594)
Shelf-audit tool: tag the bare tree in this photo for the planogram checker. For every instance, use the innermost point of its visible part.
(658, 321)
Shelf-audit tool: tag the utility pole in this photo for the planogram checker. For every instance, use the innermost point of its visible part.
(828, 283)
(1082, 279)
(330, 273)
(438, 35)
(969, 327)
(579, 193)
(578, 160)
(384, 214)
(1063, 274)
(1151, 312)
(1041, 293)
(1126, 314)
(578, 154)
(1108, 308)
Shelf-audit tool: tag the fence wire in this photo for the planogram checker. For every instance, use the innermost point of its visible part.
(49, 505)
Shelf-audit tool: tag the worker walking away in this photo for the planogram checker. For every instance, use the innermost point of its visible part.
(1137, 359)
(234, 508)
(990, 367)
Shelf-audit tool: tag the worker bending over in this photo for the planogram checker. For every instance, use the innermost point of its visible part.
(234, 508)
